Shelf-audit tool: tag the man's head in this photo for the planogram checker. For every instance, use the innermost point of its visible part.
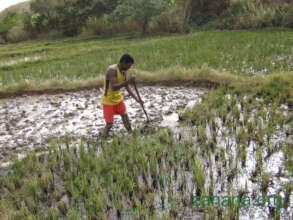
(126, 62)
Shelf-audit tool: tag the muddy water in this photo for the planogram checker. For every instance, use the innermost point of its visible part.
(29, 123)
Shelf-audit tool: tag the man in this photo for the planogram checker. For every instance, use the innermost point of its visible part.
(112, 98)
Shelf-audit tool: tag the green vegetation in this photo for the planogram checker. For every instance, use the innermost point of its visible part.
(75, 63)
(75, 181)
(251, 71)
(20, 8)
(131, 171)
(141, 11)
(54, 19)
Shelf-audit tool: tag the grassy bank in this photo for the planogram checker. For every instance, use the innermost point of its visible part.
(80, 63)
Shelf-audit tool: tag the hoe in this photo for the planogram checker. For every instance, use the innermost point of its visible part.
(148, 120)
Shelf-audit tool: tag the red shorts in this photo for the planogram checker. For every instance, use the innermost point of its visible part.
(111, 110)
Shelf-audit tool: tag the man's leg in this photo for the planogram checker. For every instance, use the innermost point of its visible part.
(109, 118)
(121, 110)
(107, 129)
(126, 122)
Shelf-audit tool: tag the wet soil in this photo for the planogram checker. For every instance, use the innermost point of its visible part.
(29, 122)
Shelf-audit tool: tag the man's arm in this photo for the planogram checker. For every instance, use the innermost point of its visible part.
(112, 76)
(132, 94)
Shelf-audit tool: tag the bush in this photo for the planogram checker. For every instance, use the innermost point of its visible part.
(50, 35)
(170, 22)
(2, 41)
(261, 18)
(245, 14)
(17, 34)
(96, 26)
(107, 26)
(125, 26)
(203, 12)
(288, 15)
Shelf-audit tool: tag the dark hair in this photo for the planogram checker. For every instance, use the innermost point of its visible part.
(126, 58)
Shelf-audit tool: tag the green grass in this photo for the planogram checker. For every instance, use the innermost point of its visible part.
(77, 60)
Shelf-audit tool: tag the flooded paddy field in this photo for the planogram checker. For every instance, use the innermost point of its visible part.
(29, 123)
(239, 149)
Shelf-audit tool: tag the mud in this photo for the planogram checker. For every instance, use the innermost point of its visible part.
(29, 123)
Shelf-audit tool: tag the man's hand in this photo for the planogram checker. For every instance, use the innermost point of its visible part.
(131, 80)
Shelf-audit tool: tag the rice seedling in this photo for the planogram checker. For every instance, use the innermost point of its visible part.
(265, 181)
(288, 153)
(259, 161)
(223, 114)
(73, 213)
(212, 213)
(234, 211)
(62, 207)
(236, 113)
(211, 184)
(242, 137)
(231, 174)
(243, 155)
(198, 173)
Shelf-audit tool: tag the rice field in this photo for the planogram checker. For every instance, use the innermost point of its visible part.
(233, 141)
(64, 63)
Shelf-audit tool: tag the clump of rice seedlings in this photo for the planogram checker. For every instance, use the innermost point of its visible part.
(73, 213)
(260, 136)
(259, 160)
(243, 155)
(23, 213)
(288, 190)
(288, 152)
(153, 165)
(214, 126)
(271, 149)
(234, 211)
(250, 128)
(265, 181)
(212, 213)
(236, 113)
(62, 207)
(31, 204)
(232, 173)
(281, 120)
(234, 127)
(173, 201)
(201, 134)
(198, 173)
(245, 118)
(150, 201)
(46, 182)
(163, 200)
(211, 184)
(32, 188)
(183, 185)
(223, 114)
